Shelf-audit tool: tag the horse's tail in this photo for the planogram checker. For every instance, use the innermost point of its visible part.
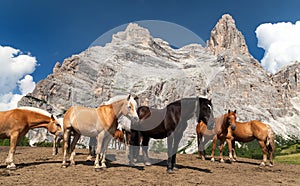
(270, 143)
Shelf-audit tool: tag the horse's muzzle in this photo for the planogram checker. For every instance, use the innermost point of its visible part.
(135, 119)
(233, 127)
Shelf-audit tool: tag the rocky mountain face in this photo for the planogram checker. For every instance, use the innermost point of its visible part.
(135, 62)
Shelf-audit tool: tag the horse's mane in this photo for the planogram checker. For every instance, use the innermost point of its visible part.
(114, 99)
(41, 111)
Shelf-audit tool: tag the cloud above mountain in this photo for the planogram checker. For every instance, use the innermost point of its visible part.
(281, 42)
(15, 80)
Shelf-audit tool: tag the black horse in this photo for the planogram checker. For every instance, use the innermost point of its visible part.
(169, 122)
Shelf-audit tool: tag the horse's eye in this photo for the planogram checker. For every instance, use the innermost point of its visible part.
(129, 107)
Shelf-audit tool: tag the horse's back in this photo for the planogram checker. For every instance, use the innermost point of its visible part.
(12, 120)
(247, 131)
(83, 119)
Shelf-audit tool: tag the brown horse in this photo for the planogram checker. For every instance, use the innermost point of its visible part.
(98, 122)
(203, 136)
(232, 131)
(15, 123)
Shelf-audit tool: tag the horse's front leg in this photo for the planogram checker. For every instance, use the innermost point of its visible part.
(145, 146)
(221, 150)
(104, 147)
(200, 146)
(214, 145)
(10, 158)
(229, 142)
(134, 146)
(234, 151)
(99, 157)
(170, 141)
(56, 141)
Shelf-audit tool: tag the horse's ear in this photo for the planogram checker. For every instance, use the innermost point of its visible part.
(136, 98)
(234, 111)
(228, 111)
(128, 98)
(52, 117)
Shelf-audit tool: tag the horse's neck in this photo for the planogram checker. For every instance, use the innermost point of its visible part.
(117, 108)
(36, 120)
(221, 121)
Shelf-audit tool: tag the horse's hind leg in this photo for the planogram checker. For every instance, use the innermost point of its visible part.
(66, 145)
(72, 147)
(265, 152)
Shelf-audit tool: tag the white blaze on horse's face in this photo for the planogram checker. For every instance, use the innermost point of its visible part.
(209, 107)
(131, 108)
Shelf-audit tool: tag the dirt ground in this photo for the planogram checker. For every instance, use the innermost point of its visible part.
(37, 166)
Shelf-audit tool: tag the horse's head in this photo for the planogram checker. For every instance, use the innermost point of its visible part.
(143, 112)
(119, 135)
(129, 109)
(231, 119)
(54, 127)
(206, 112)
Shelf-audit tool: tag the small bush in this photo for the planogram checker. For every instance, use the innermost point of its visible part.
(6, 142)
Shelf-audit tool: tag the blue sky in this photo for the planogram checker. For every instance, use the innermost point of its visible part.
(51, 31)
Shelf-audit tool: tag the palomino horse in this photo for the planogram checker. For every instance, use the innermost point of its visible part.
(100, 122)
(232, 131)
(15, 123)
(169, 122)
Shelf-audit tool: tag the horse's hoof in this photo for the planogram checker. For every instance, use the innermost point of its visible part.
(147, 163)
(11, 167)
(64, 165)
(212, 159)
(170, 171)
(175, 169)
(222, 161)
(89, 158)
(262, 164)
(72, 164)
(98, 169)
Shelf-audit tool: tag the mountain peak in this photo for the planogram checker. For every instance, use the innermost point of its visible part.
(226, 38)
(132, 33)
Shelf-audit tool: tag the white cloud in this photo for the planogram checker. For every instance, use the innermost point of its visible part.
(14, 69)
(281, 42)
(27, 84)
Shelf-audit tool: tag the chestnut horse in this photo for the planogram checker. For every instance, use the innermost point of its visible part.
(203, 136)
(98, 122)
(15, 124)
(233, 130)
(169, 122)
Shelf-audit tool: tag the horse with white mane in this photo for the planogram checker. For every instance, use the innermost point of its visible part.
(100, 122)
(15, 124)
